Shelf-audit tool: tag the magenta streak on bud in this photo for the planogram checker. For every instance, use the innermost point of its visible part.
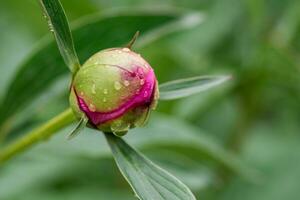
(143, 97)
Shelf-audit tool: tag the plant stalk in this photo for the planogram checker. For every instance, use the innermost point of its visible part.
(41, 133)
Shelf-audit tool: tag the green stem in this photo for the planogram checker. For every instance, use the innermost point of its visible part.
(43, 132)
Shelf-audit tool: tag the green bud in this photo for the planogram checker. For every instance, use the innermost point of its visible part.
(115, 89)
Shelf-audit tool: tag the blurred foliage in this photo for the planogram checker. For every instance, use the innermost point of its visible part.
(256, 116)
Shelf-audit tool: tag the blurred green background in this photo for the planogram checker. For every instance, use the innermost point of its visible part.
(250, 123)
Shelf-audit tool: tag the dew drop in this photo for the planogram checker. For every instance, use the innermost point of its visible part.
(94, 89)
(50, 26)
(142, 82)
(120, 128)
(126, 83)
(117, 85)
(126, 49)
(145, 94)
(105, 91)
(140, 73)
(92, 107)
(140, 70)
(104, 100)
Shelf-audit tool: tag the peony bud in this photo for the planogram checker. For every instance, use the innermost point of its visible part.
(115, 89)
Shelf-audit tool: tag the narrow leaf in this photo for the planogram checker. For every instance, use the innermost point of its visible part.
(132, 41)
(189, 86)
(149, 181)
(59, 26)
(81, 124)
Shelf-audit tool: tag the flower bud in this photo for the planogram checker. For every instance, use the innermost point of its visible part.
(115, 89)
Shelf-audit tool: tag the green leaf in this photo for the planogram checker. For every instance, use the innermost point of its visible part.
(189, 86)
(132, 41)
(148, 181)
(165, 136)
(79, 127)
(162, 132)
(47, 169)
(92, 34)
(59, 26)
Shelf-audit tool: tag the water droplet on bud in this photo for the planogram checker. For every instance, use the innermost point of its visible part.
(140, 72)
(126, 49)
(94, 89)
(142, 82)
(51, 26)
(92, 107)
(126, 83)
(105, 91)
(117, 85)
(104, 100)
(145, 94)
(120, 128)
